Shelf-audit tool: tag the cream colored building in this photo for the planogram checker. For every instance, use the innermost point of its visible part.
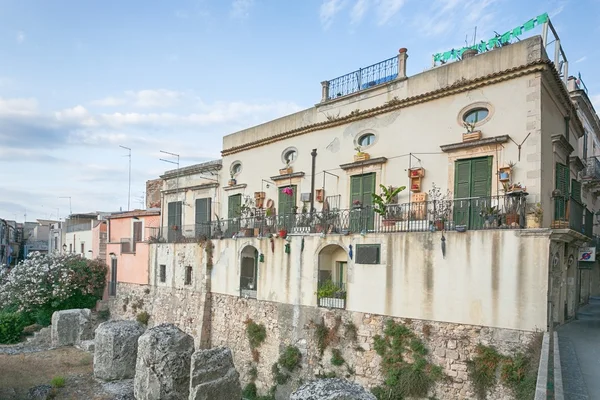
(485, 254)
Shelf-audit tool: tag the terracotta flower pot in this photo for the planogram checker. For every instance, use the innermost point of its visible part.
(283, 233)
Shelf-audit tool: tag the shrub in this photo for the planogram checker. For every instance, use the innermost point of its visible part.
(104, 315)
(257, 333)
(336, 357)
(11, 327)
(42, 284)
(58, 381)
(290, 358)
(143, 318)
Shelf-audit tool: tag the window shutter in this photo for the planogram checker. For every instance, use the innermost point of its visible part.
(481, 174)
(202, 210)
(137, 231)
(462, 179)
(174, 213)
(234, 206)
(562, 184)
(368, 187)
(355, 189)
(576, 190)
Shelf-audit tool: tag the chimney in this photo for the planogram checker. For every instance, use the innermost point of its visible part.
(402, 56)
(469, 53)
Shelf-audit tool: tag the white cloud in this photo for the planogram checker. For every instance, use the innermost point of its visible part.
(358, 11)
(149, 98)
(329, 10)
(387, 9)
(18, 106)
(582, 59)
(109, 102)
(241, 8)
(556, 11)
(20, 37)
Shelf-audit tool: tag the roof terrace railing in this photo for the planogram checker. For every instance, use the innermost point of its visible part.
(361, 79)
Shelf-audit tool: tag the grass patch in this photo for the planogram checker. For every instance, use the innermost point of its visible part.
(58, 381)
(336, 357)
(350, 330)
(290, 358)
(403, 378)
(104, 315)
(143, 318)
(257, 333)
(326, 336)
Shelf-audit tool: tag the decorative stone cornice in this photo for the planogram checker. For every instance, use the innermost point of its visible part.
(196, 187)
(576, 163)
(475, 143)
(562, 145)
(458, 87)
(235, 187)
(364, 163)
(287, 176)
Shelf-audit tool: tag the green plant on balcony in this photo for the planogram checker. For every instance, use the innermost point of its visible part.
(383, 203)
(330, 290)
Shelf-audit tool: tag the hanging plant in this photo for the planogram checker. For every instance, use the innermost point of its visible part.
(287, 191)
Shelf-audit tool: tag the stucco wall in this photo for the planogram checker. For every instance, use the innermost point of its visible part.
(76, 238)
(176, 257)
(492, 278)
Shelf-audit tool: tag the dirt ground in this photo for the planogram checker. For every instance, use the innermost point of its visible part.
(20, 372)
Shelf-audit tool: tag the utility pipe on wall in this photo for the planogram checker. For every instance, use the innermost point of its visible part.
(312, 180)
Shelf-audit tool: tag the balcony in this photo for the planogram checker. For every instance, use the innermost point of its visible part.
(331, 294)
(494, 212)
(570, 214)
(361, 79)
(591, 173)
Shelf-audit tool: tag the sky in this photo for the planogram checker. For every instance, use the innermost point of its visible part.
(78, 79)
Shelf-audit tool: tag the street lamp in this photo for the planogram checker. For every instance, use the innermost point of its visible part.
(64, 248)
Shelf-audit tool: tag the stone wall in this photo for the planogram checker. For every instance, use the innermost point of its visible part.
(182, 307)
(450, 345)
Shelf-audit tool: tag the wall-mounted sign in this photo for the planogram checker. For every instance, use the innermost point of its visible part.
(587, 254)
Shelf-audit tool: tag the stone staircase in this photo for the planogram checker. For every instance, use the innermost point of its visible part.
(591, 311)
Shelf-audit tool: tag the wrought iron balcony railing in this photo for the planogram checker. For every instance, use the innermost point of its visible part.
(592, 169)
(363, 78)
(493, 212)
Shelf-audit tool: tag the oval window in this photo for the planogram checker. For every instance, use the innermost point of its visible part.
(476, 115)
(366, 140)
(236, 168)
(290, 156)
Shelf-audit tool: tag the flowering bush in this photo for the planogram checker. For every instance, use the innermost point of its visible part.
(47, 282)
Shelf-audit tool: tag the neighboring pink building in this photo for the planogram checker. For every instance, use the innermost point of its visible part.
(127, 247)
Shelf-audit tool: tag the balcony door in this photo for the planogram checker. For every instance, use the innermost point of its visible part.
(203, 211)
(472, 180)
(361, 201)
(286, 207)
(174, 219)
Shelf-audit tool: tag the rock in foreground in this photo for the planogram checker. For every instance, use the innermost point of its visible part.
(116, 347)
(70, 327)
(162, 371)
(214, 376)
(332, 389)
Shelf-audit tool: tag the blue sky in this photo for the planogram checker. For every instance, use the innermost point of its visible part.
(80, 78)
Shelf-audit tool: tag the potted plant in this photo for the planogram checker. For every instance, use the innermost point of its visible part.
(471, 133)
(330, 290)
(386, 204)
(356, 204)
(360, 155)
(247, 213)
(282, 232)
(442, 206)
(490, 216)
(232, 181)
(287, 170)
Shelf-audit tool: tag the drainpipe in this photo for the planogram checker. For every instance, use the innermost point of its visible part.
(312, 180)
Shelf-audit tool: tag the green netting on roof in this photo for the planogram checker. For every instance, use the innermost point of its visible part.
(493, 42)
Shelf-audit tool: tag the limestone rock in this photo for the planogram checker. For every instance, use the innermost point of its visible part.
(40, 392)
(332, 389)
(162, 371)
(213, 375)
(116, 347)
(70, 327)
(87, 345)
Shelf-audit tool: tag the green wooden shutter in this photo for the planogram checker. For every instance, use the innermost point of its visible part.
(462, 189)
(234, 206)
(174, 214)
(562, 184)
(287, 203)
(355, 189)
(481, 177)
(576, 190)
(462, 179)
(203, 210)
